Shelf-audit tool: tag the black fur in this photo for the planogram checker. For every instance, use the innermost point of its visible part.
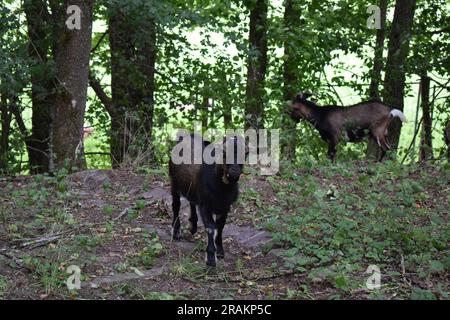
(204, 187)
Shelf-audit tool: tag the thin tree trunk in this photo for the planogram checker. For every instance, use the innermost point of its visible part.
(291, 81)
(373, 150)
(72, 70)
(257, 64)
(394, 81)
(426, 142)
(227, 111)
(204, 112)
(374, 91)
(148, 69)
(5, 117)
(447, 139)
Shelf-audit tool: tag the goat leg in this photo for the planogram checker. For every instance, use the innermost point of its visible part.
(332, 152)
(220, 220)
(385, 146)
(176, 215)
(193, 218)
(211, 233)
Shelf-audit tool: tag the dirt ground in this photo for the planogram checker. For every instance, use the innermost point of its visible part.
(115, 226)
(177, 270)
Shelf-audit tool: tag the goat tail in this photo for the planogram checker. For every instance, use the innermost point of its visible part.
(397, 113)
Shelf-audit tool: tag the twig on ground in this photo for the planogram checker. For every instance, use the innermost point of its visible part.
(15, 259)
(124, 212)
(41, 241)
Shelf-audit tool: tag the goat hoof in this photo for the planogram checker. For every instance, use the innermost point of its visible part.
(211, 264)
(211, 261)
(176, 237)
(220, 254)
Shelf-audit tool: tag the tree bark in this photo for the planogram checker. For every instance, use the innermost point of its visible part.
(132, 86)
(291, 81)
(72, 54)
(42, 84)
(373, 150)
(5, 117)
(227, 110)
(394, 81)
(226, 98)
(204, 112)
(447, 139)
(257, 64)
(374, 92)
(426, 142)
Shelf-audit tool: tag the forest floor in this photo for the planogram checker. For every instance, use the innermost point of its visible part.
(307, 233)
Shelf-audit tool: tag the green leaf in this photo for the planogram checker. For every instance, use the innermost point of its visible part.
(436, 266)
(341, 282)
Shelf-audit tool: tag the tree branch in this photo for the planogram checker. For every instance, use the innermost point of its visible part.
(101, 94)
(443, 30)
(99, 41)
(19, 120)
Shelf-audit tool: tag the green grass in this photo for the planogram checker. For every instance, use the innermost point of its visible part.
(387, 215)
(3, 286)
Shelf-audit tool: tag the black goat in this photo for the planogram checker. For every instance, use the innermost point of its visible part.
(211, 188)
(354, 122)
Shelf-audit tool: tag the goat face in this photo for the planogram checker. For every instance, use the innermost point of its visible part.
(234, 154)
(300, 111)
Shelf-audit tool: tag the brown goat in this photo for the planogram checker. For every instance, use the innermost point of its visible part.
(352, 122)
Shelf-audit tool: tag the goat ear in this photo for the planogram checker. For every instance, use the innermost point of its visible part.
(303, 95)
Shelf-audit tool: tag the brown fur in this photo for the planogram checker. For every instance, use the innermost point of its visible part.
(333, 122)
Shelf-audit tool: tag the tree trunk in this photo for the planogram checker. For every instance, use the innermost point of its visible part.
(72, 70)
(226, 99)
(291, 81)
(394, 81)
(148, 69)
(426, 142)
(373, 150)
(5, 117)
(204, 112)
(447, 139)
(257, 64)
(374, 92)
(132, 86)
(42, 85)
(227, 111)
